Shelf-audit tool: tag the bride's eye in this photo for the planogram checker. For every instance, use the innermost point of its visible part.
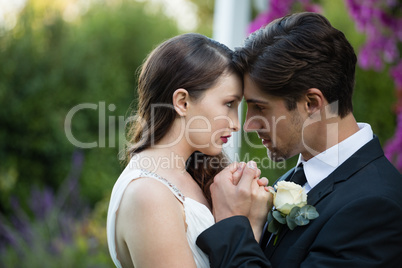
(229, 104)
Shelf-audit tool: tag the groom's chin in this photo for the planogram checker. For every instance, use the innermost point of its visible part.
(275, 156)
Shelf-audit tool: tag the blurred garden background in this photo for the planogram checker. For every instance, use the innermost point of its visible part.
(68, 74)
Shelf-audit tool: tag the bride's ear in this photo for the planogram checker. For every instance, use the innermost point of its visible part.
(180, 99)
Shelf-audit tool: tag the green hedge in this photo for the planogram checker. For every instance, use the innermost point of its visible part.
(49, 66)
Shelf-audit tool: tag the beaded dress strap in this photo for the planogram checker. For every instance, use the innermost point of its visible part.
(146, 173)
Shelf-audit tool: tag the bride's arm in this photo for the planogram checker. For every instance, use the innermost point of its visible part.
(151, 224)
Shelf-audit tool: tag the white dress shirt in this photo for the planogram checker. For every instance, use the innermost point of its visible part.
(319, 167)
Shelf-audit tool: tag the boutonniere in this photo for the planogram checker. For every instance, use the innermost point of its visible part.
(290, 207)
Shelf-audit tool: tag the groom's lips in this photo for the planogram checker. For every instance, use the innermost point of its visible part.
(265, 141)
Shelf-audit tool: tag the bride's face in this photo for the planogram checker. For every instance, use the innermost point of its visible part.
(211, 119)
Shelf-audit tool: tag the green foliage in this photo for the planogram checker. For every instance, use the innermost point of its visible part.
(49, 66)
(205, 13)
(297, 217)
(279, 217)
(374, 102)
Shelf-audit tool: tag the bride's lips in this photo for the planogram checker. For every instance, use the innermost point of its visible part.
(225, 138)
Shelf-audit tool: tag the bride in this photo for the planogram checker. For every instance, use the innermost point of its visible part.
(188, 98)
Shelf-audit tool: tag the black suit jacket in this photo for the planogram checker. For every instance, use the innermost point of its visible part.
(360, 223)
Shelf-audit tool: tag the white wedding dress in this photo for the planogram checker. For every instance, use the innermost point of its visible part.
(198, 216)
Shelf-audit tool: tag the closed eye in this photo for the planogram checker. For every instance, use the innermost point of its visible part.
(258, 107)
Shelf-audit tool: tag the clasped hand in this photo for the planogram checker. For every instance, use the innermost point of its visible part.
(238, 190)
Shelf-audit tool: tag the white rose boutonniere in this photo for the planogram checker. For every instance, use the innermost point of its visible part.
(290, 207)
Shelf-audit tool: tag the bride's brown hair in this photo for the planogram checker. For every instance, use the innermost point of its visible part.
(190, 61)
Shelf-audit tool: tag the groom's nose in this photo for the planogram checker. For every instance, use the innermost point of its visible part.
(253, 123)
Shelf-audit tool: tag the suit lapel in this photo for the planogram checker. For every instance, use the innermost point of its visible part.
(365, 155)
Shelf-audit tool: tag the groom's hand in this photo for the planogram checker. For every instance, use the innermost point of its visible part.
(234, 190)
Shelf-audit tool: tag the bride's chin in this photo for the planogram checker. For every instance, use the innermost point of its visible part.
(212, 151)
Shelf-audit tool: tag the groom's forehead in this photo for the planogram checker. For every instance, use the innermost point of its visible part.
(255, 95)
(250, 87)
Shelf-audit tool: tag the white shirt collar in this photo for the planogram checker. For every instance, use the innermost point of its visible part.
(323, 164)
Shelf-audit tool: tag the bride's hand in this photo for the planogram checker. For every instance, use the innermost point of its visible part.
(231, 190)
(239, 173)
(261, 205)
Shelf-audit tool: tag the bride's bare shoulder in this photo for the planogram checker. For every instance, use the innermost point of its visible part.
(144, 194)
(149, 212)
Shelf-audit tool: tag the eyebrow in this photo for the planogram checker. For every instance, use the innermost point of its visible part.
(238, 97)
(256, 101)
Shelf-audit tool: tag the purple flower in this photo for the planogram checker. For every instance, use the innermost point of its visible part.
(391, 52)
(378, 21)
(6, 236)
(370, 56)
(393, 149)
(391, 3)
(396, 73)
(260, 21)
(41, 202)
(313, 8)
(276, 9)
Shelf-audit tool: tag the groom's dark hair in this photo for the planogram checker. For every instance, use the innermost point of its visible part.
(298, 52)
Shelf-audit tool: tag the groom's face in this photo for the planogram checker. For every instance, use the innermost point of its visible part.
(279, 129)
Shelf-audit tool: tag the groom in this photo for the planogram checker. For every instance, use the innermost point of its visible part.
(299, 74)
